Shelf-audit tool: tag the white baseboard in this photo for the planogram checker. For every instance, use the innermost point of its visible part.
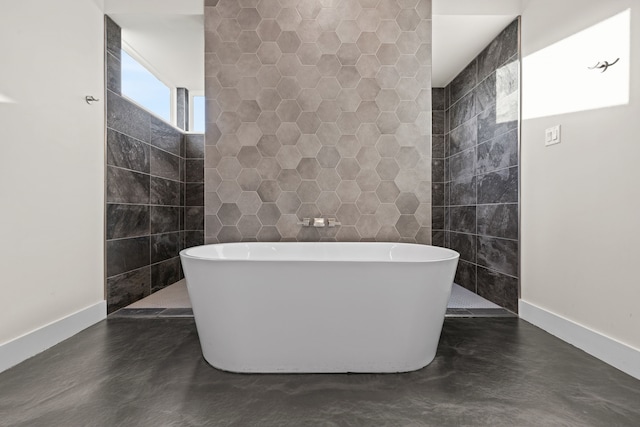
(609, 350)
(28, 345)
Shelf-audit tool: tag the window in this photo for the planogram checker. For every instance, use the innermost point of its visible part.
(139, 85)
(197, 112)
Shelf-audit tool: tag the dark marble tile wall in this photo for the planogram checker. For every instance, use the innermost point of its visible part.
(316, 109)
(475, 173)
(153, 173)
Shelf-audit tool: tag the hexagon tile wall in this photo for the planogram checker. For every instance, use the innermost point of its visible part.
(318, 108)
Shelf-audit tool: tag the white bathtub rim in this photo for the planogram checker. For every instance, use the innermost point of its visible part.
(447, 254)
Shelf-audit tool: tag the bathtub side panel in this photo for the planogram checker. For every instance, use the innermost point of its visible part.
(318, 316)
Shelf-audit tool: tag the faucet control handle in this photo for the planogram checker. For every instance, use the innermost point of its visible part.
(306, 222)
(332, 222)
(319, 222)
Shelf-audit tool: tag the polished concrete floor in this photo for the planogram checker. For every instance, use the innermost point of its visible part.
(150, 372)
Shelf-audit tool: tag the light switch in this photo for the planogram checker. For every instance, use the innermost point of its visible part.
(552, 135)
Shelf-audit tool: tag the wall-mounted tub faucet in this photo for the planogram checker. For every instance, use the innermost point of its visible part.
(319, 222)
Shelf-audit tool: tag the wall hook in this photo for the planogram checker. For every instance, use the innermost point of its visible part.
(604, 65)
(90, 99)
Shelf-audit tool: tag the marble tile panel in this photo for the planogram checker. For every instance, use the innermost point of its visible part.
(498, 288)
(127, 220)
(125, 186)
(127, 152)
(498, 254)
(127, 288)
(127, 254)
(499, 220)
(499, 186)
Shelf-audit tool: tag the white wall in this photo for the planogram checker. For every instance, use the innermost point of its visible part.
(51, 163)
(581, 199)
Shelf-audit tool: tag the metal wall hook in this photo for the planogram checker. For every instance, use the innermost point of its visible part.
(604, 65)
(90, 99)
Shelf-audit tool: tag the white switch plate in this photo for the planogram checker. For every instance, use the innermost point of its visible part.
(552, 135)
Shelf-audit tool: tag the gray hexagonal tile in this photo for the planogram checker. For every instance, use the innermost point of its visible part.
(308, 122)
(388, 233)
(288, 226)
(328, 133)
(387, 214)
(308, 76)
(269, 53)
(249, 133)
(328, 42)
(348, 234)
(368, 112)
(249, 225)
(368, 66)
(309, 53)
(407, 65)
(328, 203)
(408, 20)
(407, 180)
(328, 19)
(368, 19)
(249, 180)
(388, 31)
(387, 169)
(249, 157)
(348, 76)
(268, 122)
(423, 214)
(269, 234)
(269, 30)
(308, 9)
(212, 203)
(368, 157)
(228, 30)
(368, 134)
(408, 90)
(348, 214)
(348, 123)
(388, 54)
(348, 168)
(268, 145)
(348, 31)
(308, 145)
(348, 191)
(368, 226)
(288, 133)
(387, 100)
(228, 52)
(328, 179)
(268, 99)
(288, 202)
(229, 99)
(348, 146)
(387, 122)
(248, 42)
(288, 110)
(368, 89)
(268, 8)
(308, 168)
(349, 9)
(288, 64)
(348, 54)
(248, 18)
(268, 190)
(308, 191)
(289, 180)
(228, 77)
(288, 157)
(407, 226)
(408, 42)
(308, 210)
(229, 234)
(288, 41)
(229, 214)
(368, 180)
(248, 203)
(229, 168)
(328, 88)
(269, 214)
(289, 19)
(228, 8)
(248, 111)
(367, 203)
(268, 168)
(348, 99)
(328, 65)
(288, 88)
(388, 146)
(368, 43)
(407, 203)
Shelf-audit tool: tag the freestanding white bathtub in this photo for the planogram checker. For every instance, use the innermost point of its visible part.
(319, 307)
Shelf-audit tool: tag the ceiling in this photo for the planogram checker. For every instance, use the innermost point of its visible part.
(167, 35)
